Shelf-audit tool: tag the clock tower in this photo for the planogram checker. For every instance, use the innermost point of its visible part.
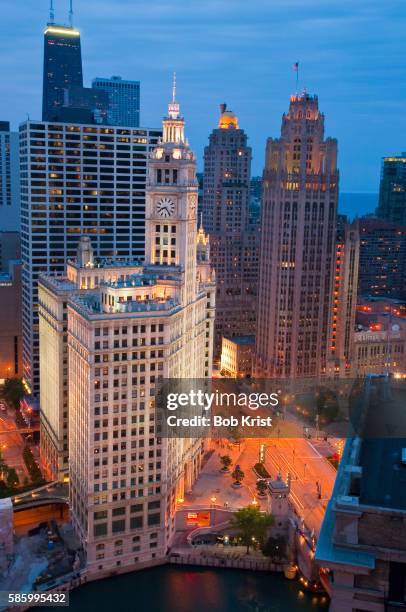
(171, 201)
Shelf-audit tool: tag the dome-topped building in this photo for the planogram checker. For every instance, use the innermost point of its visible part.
(234, 240)
(228, 120)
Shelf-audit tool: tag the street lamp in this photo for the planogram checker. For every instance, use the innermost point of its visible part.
(213, 499)
(254, 502)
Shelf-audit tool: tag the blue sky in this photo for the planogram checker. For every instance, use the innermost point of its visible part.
(352, 54)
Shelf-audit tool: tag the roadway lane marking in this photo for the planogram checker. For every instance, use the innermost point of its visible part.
(315, 450)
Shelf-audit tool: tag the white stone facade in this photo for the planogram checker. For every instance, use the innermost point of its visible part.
(127, 331)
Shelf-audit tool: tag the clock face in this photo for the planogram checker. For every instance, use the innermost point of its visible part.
(165, 207)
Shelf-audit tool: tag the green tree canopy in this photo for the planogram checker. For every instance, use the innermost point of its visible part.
(12, 478)
(252, 524)
(13, 391)
(225, 461)
(261, 487)
(238, 474)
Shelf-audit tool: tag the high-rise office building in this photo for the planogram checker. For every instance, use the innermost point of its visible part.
(124, 103)
(77, 179)
(62, 67)
(255, 198)
(382, 268)
(297, 254)
(10, 321)
(380, 339)
(234, 240)
(392, 191)
(362, 543)
(88, 104)
(140, 325)
(10, 248)
(344, 299)
(83, 272)
(9, 179)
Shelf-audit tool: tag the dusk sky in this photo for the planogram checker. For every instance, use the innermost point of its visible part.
(352, 54)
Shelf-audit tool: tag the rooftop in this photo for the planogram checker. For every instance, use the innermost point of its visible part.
(241, 339)
(374, 462)
(109, 263)
(64, 30)
(142, 279)
(57, 283)
(383, 481)
(326, 550)
(89, 305)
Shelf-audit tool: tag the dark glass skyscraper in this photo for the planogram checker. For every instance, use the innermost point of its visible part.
(124, 100)
(62, 67)
(382, 271)
(392, 191)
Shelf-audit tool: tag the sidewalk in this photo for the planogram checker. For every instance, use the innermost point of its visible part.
(213, 482)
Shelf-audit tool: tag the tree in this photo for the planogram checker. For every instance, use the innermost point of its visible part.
(262, 487)
(32, 466)
(3, 467)
(12, 478)
(252, 524)
(225, 460)
(326, 408)
(238, 475)
(235, 436)
(13, 391)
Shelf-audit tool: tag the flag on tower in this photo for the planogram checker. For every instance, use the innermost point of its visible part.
(296, 66)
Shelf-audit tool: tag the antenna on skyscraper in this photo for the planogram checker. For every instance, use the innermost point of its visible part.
(296, 69)
(71, 13)
(51, 12)
(174, 88)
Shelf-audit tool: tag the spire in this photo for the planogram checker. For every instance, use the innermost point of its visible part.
(174, 88)
(71, 13)
(51, 13)
(173, 123)
(173, 107)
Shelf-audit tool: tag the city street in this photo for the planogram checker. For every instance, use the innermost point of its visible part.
(307, 467)
(11, 445)
(299, 457)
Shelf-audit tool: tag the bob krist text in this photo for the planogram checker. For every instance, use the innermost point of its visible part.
(198, 408)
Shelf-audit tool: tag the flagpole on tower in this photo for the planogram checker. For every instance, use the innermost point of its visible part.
(296, 69)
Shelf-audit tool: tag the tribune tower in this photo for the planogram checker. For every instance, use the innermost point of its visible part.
(299, 207)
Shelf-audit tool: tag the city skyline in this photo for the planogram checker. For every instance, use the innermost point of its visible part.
(203, 330)
(341, 62)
